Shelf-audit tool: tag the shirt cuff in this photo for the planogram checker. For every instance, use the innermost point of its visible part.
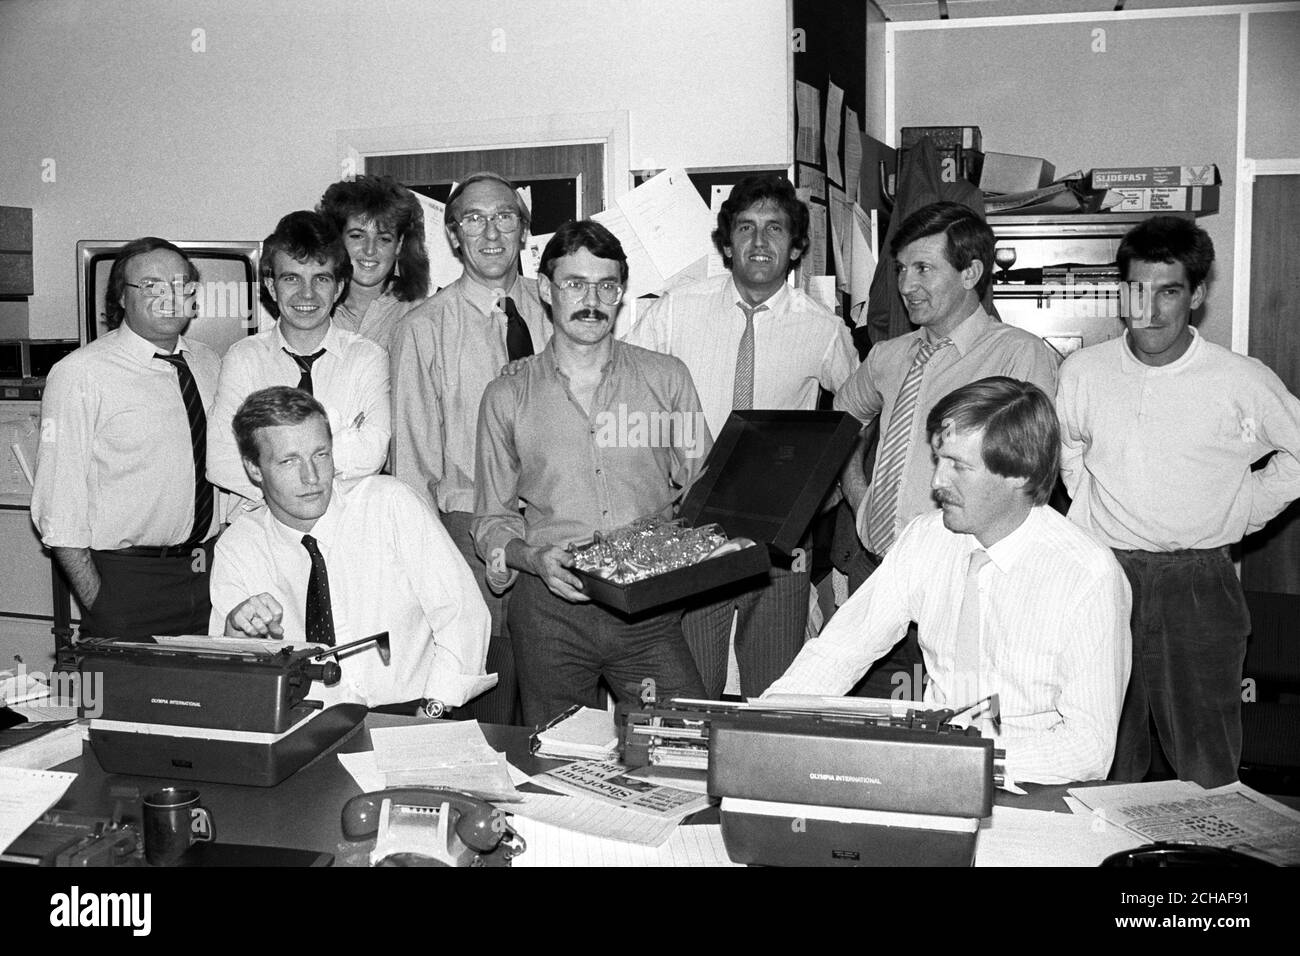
(454, 690)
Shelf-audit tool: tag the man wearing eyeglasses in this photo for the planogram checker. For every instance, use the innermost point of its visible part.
(120, 496)
(443, 353)
(752, 341)
(549, 438)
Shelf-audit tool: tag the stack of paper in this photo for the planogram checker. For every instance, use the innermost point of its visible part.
(588, 734)
(448, 754)
(25, 795)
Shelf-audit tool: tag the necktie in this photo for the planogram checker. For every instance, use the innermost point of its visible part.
(305, 363)
(198, 444)
(320, 615)
(891, 457)
(519, 343)
(742, 392)
(966, 684)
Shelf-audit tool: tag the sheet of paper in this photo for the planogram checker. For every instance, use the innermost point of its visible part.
(670, 219)
(531, 257)
(17, 687)
(717, 196)
(45, 711)
(822, 291)
(25, 795)
(852, 152)
(812, 179)
(1234, 816)
(1015, 837)
(610, 782)
(840, 217)
(588, 733)
(643, 277)
(862, 264)
(444, 267)
(549, 845)
(817, 239)
(595, 818)
(361, 767)
(831, 134)
(807, 108)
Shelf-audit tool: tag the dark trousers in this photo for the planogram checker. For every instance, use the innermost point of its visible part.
(900, 674)
(500, 705)
(1190, 625)
(562, 651)
(140, 596)
(771, 624)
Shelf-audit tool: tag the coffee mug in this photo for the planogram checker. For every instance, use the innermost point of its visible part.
(173, 820)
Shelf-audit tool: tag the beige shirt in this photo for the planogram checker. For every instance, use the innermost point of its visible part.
(799, 347)
(115, 466)
(378, 322)
(443, 354)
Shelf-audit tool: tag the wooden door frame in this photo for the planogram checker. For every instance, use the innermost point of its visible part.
(520, 132)
(1248, 170)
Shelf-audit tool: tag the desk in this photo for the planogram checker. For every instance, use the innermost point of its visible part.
(303, 811)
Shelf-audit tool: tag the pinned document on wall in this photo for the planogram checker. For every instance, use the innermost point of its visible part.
(852, 152)
(717, 196)
(831, 134)
(807, 103)
(444, 267)
(862, 263)
(670, 219)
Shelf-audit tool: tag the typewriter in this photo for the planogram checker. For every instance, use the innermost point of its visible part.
(222, 710)
(827, 781)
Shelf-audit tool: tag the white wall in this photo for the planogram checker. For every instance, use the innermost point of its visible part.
(149, 135)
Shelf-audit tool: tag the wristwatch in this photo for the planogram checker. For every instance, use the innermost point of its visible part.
(435, 709)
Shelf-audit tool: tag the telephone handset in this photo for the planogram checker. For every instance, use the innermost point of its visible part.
(430, 826)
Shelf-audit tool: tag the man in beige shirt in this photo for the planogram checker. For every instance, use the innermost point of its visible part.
(443, 354)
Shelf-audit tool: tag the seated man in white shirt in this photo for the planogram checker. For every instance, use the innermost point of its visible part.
(305, 271)
(331, 565)
(1010, 597)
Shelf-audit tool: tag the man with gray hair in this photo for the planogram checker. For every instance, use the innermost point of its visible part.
(443, 354)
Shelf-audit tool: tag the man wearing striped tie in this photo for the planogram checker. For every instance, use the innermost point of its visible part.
(751, 340)
(1010, 597)
(943, 256)
(305, 272)
(120, 493)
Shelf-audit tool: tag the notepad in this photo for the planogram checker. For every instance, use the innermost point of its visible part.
(25, 795)
(588, 734)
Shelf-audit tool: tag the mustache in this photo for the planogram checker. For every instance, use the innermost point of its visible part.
(590, 314)
(944, 498)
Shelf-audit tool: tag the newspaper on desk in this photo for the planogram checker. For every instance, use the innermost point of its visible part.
(1177, 811)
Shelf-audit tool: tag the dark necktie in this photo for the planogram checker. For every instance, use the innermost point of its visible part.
(320, 615)
(198, 444)
(305, 363)
(519, 343)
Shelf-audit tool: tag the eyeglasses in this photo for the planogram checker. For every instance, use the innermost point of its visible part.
(475, 223)
(157, 288)
(575, 290)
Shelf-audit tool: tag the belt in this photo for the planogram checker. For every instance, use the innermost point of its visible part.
(158, 551)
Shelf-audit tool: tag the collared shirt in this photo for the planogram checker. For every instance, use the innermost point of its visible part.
(115, 468)
(392, 567)
(1159, 458)
(350, 380)
(798, 345)
(981, 346)
(638, 450)
(378, 321)
(1054, 625)
(443, 354)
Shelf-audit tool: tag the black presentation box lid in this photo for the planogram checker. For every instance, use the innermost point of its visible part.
(768, 472)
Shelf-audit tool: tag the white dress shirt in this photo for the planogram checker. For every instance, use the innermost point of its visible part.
(1159, 458)
(798, 345)
(392, 567)
(350, 380)
(1054, 626)
(115, 467)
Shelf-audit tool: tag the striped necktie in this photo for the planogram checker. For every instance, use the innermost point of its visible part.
(891, 457)
(305, 362)
(966, 667)
(203, 499)
(319, 613)
(742, 392)
(519, 343)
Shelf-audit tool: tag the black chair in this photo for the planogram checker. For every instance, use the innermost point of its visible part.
(1270, 753)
